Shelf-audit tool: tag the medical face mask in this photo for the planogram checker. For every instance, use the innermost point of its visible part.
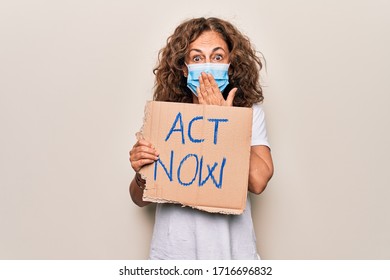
(218, 70)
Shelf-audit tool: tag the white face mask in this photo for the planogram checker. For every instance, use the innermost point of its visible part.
(218, 70)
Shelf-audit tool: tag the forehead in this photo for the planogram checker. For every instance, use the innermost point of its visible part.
(209, 39)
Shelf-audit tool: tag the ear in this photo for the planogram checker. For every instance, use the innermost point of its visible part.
(185, 70)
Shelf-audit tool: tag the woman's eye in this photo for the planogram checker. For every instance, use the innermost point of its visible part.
(218, 57)
(197, 59)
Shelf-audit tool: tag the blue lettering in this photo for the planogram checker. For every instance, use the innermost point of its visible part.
(210, 173)
(218, 185)
(198, 170)
(169, 174)
(181, 164)
(173, 129)
(216, 125)
(189, 130)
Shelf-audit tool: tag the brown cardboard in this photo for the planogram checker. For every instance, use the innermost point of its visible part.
(210, 149)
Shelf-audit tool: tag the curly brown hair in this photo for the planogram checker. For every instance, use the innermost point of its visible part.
(244, 71)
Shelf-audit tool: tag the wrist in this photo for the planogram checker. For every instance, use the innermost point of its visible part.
(139, 181)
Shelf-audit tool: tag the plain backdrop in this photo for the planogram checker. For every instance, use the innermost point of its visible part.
(74, 78)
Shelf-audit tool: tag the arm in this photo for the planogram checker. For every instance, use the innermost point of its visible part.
(141, 154)
(260, 169)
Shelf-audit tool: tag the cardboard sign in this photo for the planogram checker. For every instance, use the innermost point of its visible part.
(204, 155)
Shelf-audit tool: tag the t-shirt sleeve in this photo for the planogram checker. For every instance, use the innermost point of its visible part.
(259, 132)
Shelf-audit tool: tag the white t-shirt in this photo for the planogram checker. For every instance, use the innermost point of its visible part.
(184, 233)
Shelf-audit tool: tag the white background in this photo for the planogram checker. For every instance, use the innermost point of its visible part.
(74, 78)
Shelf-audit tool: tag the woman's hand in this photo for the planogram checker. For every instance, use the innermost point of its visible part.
(142, 153)
(209, 93)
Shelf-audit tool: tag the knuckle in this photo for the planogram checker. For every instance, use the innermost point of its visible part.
(144, 149)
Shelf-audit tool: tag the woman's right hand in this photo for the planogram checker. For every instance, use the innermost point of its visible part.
(142, 153)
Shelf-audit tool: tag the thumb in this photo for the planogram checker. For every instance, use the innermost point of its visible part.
(230, 98)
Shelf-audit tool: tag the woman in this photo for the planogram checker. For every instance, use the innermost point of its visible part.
(214, 46)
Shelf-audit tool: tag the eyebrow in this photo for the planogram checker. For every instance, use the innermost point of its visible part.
(214, 50)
